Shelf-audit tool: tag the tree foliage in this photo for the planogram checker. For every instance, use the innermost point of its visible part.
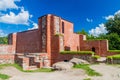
(3, 40)
(113, 25)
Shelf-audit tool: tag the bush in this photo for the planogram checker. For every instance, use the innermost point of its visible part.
(77, 52)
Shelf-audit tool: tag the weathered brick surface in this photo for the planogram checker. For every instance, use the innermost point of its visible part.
(6, 58)
(28, 42)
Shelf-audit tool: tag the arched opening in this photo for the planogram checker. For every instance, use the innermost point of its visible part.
(93, 49)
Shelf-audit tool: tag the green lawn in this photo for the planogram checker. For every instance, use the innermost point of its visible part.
(89, 71)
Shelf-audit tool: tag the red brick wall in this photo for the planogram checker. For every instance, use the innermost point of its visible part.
(6, 58)
(28, 42)
(6, 49)
(101, 46)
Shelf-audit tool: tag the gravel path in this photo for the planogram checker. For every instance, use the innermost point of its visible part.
(74, 74)
(109, 73)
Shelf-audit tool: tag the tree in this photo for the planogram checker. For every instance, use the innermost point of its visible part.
(3, 40)
(113, 25)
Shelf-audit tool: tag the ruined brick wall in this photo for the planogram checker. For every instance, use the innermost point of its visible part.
(28, 42)
(6, 54)
(6, 49)
(100, 47)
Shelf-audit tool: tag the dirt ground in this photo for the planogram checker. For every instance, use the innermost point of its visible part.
(109, 73)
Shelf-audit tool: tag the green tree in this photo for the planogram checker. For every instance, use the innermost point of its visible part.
(3, 40)
(113, 25)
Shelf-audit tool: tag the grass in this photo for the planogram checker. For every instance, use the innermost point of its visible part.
(4, 76)
(77, 52)
(96, 56)
(114, 50)
(89, 71)
(114, 57)
(87, 79)
(20, 68)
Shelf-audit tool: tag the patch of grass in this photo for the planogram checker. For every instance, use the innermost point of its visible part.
(96, 56)
(77, 52)
(114, 51)
(89, 71)
(39, 70)
(20, 68)
(4, 76)
(87, 79)
(114, 57)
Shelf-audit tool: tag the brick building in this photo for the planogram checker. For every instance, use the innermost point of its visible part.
(42, 46)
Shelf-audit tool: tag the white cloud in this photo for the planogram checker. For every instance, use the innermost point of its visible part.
(109, 17)
(101, 29)
(2, 34)
(89, 20)
(12, 18)
(8, 4)
(112, 16)
(35, 26)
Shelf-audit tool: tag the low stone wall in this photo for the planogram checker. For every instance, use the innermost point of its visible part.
(113, 61)
(7, 58)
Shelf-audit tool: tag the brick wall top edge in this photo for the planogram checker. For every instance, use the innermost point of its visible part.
(28, 31)
(54, 15)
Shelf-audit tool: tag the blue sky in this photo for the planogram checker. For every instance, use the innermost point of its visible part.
(21, 15)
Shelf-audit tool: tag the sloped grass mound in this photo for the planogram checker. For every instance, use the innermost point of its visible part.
(88, 70)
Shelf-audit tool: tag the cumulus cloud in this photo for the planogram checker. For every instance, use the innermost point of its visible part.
(12, 18)
(2, 34)
(8, 4)
(89, 20)
(101, 29)
(35, 26)
(112, 16)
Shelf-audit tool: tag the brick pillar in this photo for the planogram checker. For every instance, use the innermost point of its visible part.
(14, 40)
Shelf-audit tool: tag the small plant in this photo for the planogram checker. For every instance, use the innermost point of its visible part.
(4, 76)
(89, 71)
(58, 34)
